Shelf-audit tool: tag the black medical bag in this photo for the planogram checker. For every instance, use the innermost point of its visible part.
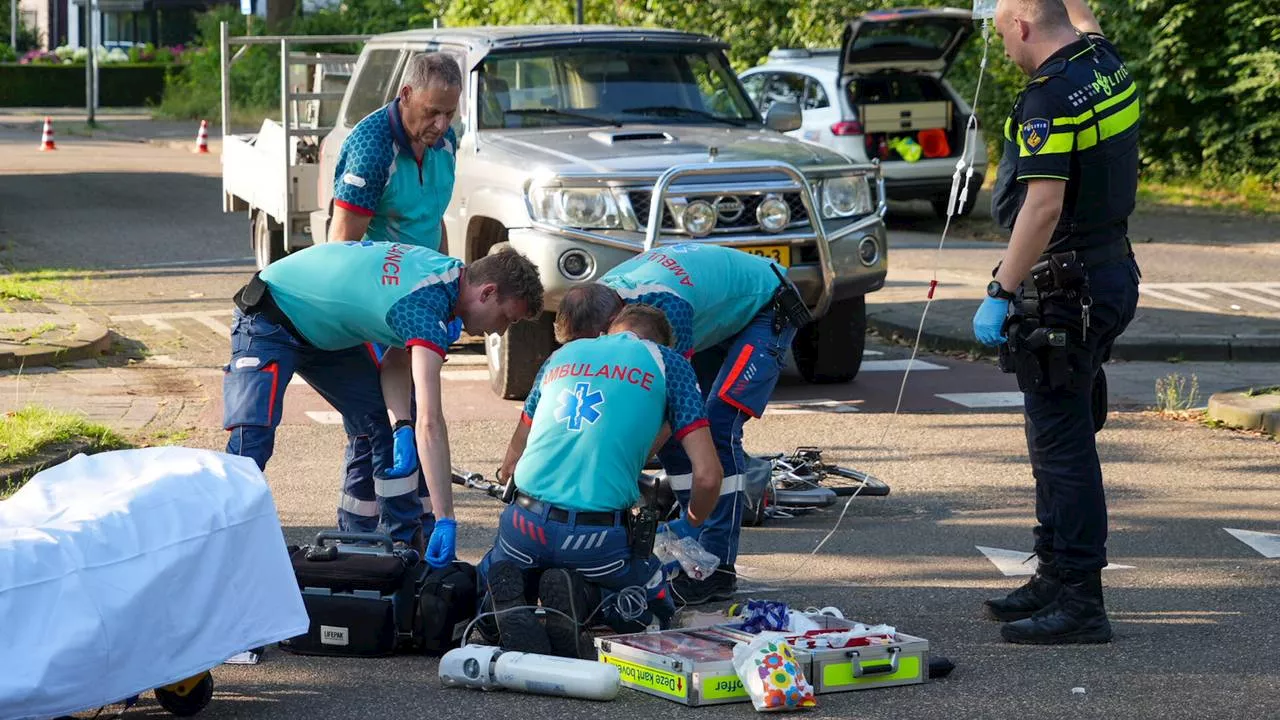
(366, 598)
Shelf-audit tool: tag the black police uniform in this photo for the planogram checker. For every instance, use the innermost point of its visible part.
(1076, 121)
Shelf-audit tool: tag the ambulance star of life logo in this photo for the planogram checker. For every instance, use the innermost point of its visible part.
(1034, 133)
(579, 406)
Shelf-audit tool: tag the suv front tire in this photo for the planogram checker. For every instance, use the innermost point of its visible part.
(829, 350)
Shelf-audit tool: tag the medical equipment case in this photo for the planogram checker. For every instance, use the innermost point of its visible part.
(694, 667)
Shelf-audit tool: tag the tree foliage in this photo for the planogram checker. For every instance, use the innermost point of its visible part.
(1208, 70)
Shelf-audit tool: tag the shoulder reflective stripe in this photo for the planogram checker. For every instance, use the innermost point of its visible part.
(1082, 52)
(1098, 109)
(1071, 121)
(1119, 122)
(1087, 138)
(1008, 128)
(657, 357)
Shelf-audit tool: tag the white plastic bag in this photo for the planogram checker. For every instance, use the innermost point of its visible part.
(771, 676)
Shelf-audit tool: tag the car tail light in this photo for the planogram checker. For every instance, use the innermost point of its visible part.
(852, 127)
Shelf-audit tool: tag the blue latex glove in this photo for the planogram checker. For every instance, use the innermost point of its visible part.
(988, 321)
(454, 330)
(444, 542)
(680, 527)
(404, 453)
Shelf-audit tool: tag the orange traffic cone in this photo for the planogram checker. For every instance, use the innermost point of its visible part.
(46, 139)
(202, 139)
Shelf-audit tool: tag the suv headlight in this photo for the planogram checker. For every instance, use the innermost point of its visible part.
(845, 196)
(587, 208)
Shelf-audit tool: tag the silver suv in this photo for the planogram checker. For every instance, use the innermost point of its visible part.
(882, 87)
(581, 146)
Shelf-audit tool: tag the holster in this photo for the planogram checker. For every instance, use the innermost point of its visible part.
(787, 304)
(1044, 358)
(255, 297)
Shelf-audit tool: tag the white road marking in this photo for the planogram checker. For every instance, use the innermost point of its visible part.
(464, 375)
(871, 353)
(221, 328)
(160, 321)
(325, 417)
(1267, 544)
(898, 365)
(1255, 292)
(805, 407)
(984, 399)
(186, 263)
(1021, 562)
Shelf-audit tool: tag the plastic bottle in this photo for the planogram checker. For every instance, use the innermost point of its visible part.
(984, 9)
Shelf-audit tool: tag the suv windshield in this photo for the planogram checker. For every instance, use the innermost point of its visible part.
(609, 85)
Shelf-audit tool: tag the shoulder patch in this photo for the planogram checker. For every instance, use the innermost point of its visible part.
(1034, 132)
(353, 179)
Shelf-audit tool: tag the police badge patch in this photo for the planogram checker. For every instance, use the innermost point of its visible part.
(1034, 134)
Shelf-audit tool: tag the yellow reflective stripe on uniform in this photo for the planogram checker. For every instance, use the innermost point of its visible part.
(1112, 101)
(1087, 138)
(1118, 123)
(1055, 144)
(1008, 128)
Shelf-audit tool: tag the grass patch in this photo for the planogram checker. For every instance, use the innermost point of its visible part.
(26, 432)
(1176, 394)
(1255, 392)
(1253, 195)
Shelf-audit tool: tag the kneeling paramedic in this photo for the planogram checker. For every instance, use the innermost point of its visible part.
(735, 315)
(313, 313)
(592, 420)
(1067, 184)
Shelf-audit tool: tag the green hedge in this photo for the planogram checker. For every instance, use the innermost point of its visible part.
(63, 85)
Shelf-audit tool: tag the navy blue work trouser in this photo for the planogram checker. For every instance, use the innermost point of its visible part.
(1071, 508)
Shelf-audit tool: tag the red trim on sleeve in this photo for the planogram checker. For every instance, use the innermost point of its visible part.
(353, 208)
(426, 344)
(688, 354)
(524, 418)
(695, 425)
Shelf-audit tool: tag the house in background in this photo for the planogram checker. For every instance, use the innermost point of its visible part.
(120, 23)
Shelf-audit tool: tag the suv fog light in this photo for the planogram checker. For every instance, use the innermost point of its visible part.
(869, 251)
(773, 213)
(576, 264)
(699, 218)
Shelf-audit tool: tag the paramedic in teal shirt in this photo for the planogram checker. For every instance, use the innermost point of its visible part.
(314, 312)
(393, 181)
(726, 308)
(394, 176)
(595, 413)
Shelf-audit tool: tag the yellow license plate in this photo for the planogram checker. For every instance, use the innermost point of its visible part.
(780, 254)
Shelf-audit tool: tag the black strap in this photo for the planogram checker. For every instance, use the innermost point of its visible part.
(1099, 254)
(255, 297)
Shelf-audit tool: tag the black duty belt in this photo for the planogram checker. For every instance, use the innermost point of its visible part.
(1097, 255)
(558, 514)
(255, 297)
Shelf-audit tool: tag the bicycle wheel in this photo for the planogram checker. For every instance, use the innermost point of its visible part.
(847, 481)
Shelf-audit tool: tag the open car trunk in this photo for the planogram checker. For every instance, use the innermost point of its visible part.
(906, 105)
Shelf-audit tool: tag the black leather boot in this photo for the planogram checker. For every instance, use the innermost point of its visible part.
(1077, 616)
(1034, 595)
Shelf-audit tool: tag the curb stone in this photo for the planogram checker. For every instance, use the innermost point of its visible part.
(91, 339)
(1239, 409)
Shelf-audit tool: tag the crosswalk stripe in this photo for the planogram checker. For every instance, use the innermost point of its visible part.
(1267, 544)
(1167, 297)
(898, 365)
(984, 399)
(1250, 298)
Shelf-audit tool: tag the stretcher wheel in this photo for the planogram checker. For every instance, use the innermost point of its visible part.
(186, 697)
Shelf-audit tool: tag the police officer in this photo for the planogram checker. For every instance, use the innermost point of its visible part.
(312, 313)
(735, 315)
(1065, 290)
(393, 180)
(590, 424)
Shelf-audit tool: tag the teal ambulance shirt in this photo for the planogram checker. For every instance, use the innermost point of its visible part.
(378, 176)
(341, 295)
(594, 412)
(708, 292)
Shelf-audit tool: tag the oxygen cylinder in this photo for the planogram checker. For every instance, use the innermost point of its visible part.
(484, 667)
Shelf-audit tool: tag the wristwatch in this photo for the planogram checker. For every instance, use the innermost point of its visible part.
(997, 291)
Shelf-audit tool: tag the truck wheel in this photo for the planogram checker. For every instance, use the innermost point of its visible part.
(514, 358)
(940, 204)
(268, 240)
(829, 350)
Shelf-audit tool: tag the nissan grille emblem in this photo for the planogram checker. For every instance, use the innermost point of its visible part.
(728, 208)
